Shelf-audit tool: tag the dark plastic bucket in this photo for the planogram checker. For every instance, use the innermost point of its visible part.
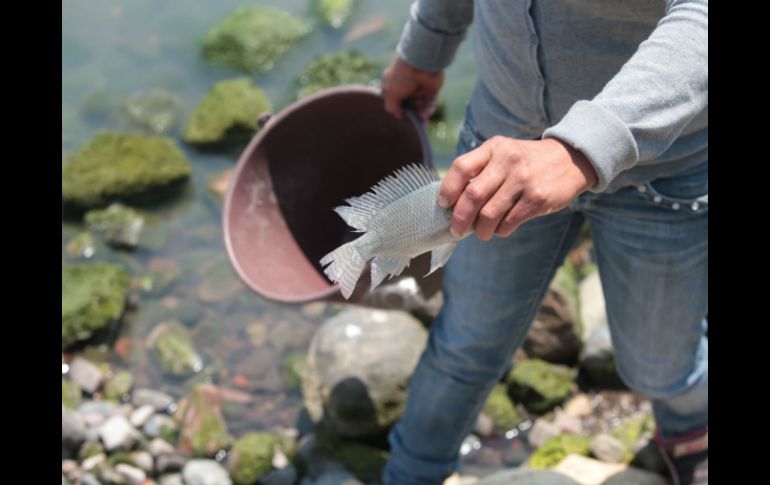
(304, 161)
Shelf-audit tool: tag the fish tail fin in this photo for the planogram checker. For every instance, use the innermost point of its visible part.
(345, 266)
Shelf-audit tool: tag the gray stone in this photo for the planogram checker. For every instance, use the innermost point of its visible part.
(89, 479)
(169, 462)
(73, 432)
(205, 472)
(160, 426)
(607, 448)
(104, 409)
(522, 476)
(337, 477)
(171, 479)
(567, 423)
(159, 447)
(141, 415)
(634, 476)
(553, 336)
(116, 433)
(358, 368)
(597, 360)
(158, 400)
(132, 474)
(86, 375)
(593, 313)
(285, 476)
(541, 432)
(92, 462)
(143, 460)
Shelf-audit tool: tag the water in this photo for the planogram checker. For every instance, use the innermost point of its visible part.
(112, 50)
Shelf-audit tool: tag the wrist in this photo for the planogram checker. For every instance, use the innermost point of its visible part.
(582, 163)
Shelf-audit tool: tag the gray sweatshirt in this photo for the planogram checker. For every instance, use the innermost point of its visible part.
(625, 82)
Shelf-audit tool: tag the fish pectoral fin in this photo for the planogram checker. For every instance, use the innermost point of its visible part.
(383, 266)
(440, 255)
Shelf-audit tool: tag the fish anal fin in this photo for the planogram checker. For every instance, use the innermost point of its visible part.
(440, 255)
(383, 266)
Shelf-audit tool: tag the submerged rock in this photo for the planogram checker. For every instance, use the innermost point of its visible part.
(251, 457)
(82, 246)
(156, 110)
(292, 368)
(119, 165)
(555, 449)
(120, 225)
(538, 385)
(174, 349)
(229, 106)
(328, 70)
(364, 461)
(501, 410)
(219, 281)
(204, 431)
(252, 38)
(333, 13)
(92, 296)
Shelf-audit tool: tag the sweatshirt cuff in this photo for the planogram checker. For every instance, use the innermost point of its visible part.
(601, 136)
(426, 48)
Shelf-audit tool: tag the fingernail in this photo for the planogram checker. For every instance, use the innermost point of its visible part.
(443, 202)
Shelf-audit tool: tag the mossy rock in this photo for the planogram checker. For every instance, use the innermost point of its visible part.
(630, 432)
(120, 457)
(364, 461)
(251, 457)
(292, 368)
(538, 385)
(501, 410)
(333, 13)
(120, 225)
(203, 429)
(119, 386)
(566, 281)
(156, 110)
(89, 449)
(92, 296)
(557, 448)
(121, 165)
(83, 245)
(71, 395)
(252, 38)
(328, 70)
(175, 351)
(229, 107)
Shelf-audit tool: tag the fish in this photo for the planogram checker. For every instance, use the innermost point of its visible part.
(399, 219)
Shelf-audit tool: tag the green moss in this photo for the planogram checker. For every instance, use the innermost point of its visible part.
(205, 431)
(557, 448)
(120, 225)
(229, 106)
(92, 296)
(292, 368)
(119, 386)
(566, 281)
(251, 457)
(630, 432)
(70, 394)
(252, 38)
(175, 351)
(89, 449)
(81, 246)
(120, 457)
(363, 461)
(115, 165)
(333, 13)
(538, 385)
(500, 408)
(328, 70)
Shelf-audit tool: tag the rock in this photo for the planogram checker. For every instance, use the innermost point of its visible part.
(89, 479)
(502, 411)
(73, 432)
(484, 427)
(333, 13)
(174, 349)
(567, 423)
(251, 457)
(252, 38)
(634, 476)
(229, 107)
(156, 110)
(86, 375)
(140, 415)
(205, 472)
(89, 449)
(555, 449)
(204, 431)
(328, 70)
(539, 386)
(159, 447)
(284, 476)
(292, 368)
(143, 460)
(171, 479)
(553, 336)
(82, 246)
(70, 394)
(314, 309)
(607, 448)
(523, 476)
(633, 434)
(161, 426)
(220, 183)
(120, 225)
(117, 434)
(160, 401)
(133, 475)
(597, 360)
(587, 471)
(162, 274)
(364, 461)
(579, 406)
(119, 386)
(337, 477)
(94, 461)
(219, 281)
(358, 368)
(169, 462)
(120, 165)
(541, 432)
(593, 313)
(566, 280)
(95, 413)
(92, 297)
(109, 476)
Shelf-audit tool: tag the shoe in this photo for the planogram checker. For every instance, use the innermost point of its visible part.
(686, 457)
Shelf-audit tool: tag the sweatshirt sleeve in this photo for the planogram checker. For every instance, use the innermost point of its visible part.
(433, 32)
(650, 101)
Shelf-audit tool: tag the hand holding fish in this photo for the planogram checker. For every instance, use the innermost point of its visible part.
(506, 182)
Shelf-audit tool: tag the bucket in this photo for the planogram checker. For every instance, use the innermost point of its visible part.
(278, 216)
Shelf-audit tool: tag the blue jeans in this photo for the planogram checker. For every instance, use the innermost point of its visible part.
(651, 244)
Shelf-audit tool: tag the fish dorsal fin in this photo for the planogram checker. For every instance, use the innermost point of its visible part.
(393, 187)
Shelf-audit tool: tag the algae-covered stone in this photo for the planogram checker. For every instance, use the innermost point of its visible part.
(119, 386)
(333, 13)
(92, 297)
(251, 457)
(155, 109)
(81, 246)
(364, 461)
(120, 225)
(229, 106)
(89, 449)
(118, 165)
(175, 350)
(70, 394)
(500, 408)
(204, 431)
(555, 449)
(252, 38)
(292, 368)
(327, 70)
(538, 385)
(630, 432)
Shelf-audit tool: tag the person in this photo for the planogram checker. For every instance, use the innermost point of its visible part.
(594, 110)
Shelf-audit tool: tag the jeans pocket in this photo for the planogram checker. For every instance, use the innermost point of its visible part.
(685, 191)
(468, 138)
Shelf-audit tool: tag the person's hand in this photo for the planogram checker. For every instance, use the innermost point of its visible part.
(402, 81)
(505, 182)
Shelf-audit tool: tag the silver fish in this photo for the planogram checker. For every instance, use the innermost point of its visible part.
(401, 219)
